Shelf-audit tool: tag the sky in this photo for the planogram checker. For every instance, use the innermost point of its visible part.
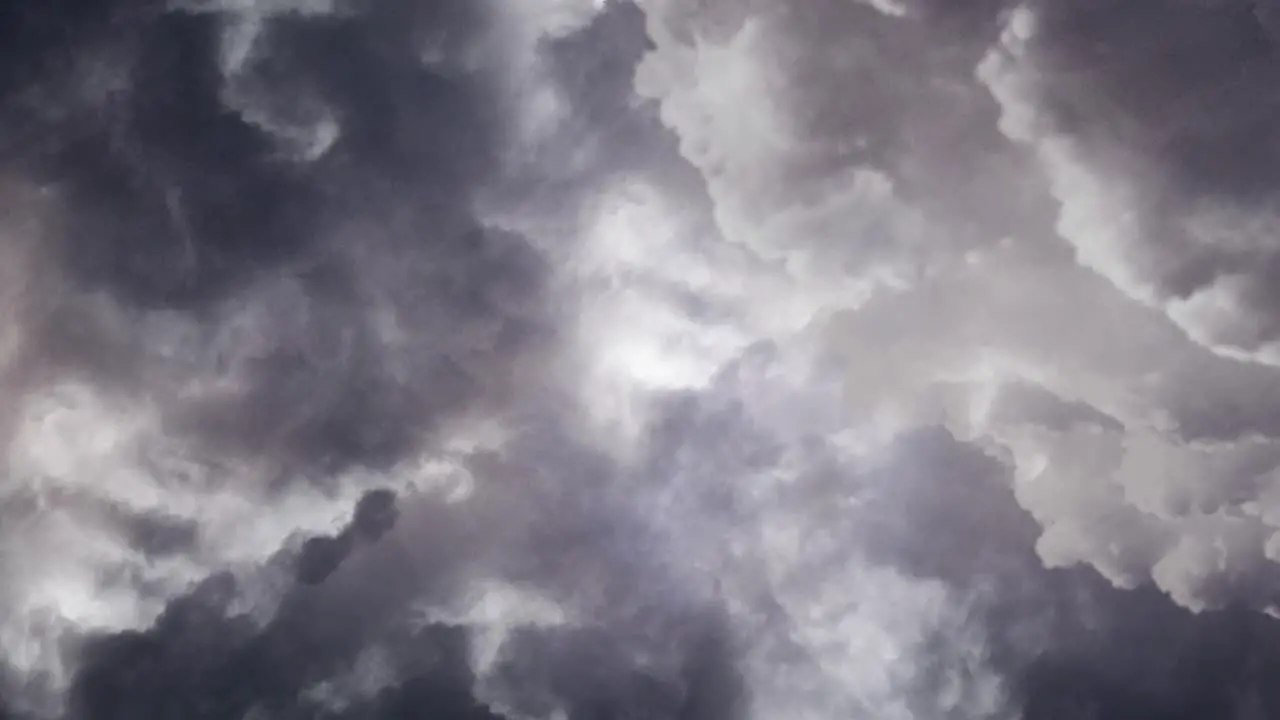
(639, 360)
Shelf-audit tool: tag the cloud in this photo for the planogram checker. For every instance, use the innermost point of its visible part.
(572, 359)
(438, 609)
(191, 252)
(212, 340)
(1176, 494)
(1162, 170)
(1139, 448)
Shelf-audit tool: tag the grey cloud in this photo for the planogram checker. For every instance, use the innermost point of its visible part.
(246, 317)
(347, 353)
(845, 97)
(1141, 156)
(720, 360)
(385, 583)
(1137, 449)
(1175, 129)
(1067, 643)
(177, 226)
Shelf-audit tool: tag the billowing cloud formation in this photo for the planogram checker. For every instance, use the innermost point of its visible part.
(575, 359)
(1159, 152)
(1158, 185)
(204, 319)
(1140, 444)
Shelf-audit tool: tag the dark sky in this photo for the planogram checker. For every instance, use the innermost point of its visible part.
(653, 360)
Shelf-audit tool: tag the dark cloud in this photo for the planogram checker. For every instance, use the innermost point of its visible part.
(203, 658)
(1171, 108)
(1068, 643)
(299, 313)
(1064, 643)
(174, 196)
(578, 669)
(1186, 95)
(276, 254)
(1172, 103)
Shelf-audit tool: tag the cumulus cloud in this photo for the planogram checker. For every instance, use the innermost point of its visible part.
(1140, 448)
(206, 330)
(1177, 494)
(574, 359)
(1162, 171)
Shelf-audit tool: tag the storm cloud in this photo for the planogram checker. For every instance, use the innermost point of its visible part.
(695, 361)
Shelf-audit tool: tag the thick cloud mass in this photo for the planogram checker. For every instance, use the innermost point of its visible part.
(726, 360)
